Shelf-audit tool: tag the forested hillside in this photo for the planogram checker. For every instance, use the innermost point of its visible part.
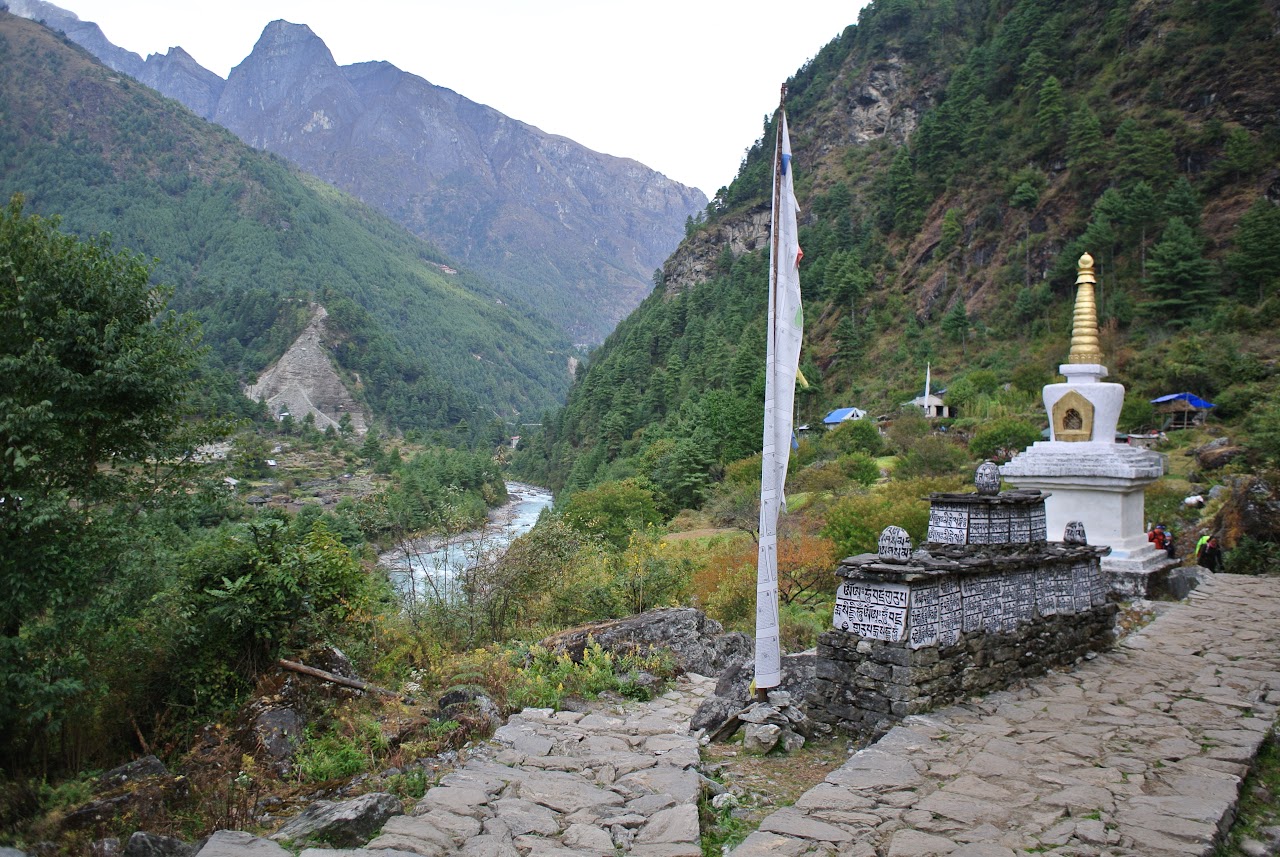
(953, 160)
(249, 243)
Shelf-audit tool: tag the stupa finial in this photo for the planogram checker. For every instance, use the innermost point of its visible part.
(1084, 331)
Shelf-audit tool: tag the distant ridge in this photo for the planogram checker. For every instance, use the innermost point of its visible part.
(573, 234)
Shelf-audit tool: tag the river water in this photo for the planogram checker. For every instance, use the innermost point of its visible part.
(429, 567)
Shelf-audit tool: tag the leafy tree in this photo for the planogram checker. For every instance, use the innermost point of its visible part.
(855, 436)
(1182, 280)
(1002, 439)
(93, 375)
(612, 510)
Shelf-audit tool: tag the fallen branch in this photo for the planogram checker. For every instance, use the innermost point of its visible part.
(342, 680)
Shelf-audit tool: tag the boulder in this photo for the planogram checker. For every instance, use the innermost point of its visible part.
(733, 689)
(139, 769)
(141, 788)
(471, 704)
(1252, 508)
(143, 844)
(698, 643)
(237, 843)
(1219, 457)
(345, 824)
(278, 730)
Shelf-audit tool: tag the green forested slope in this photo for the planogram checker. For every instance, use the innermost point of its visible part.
(248, 241)
(1012, 135)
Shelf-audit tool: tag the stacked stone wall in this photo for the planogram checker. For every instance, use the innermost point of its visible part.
(864, 686)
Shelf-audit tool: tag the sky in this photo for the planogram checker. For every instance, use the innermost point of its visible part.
(682, 86)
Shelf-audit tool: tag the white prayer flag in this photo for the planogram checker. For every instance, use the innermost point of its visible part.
(786, 325)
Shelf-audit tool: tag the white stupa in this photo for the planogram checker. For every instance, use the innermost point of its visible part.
(1093, 479)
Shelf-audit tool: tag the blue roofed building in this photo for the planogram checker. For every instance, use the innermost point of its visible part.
(840, 415)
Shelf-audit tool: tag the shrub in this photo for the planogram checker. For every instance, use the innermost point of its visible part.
(908, 427)
(822, 476)
(931, 456)
(546, 678)
(1003, 439)
(859, 467)
(1137, 414)
(854, 523)
(854, 436)
(1252, 556)
(612, 510)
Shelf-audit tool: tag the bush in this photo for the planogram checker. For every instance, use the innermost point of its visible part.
(1252, 556)
(1003, 439)
(612, 510)
(908, 427)
(546, 678)
(931, 456)
(854, 523)
(854, 436)
(859, 467)
(1137, 414)
(822, 476)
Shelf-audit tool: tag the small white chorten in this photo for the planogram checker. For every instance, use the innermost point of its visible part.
(1093, 479)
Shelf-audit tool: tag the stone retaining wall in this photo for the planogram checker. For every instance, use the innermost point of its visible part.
(865, 686)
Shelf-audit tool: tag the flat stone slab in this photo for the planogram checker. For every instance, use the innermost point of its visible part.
(1139, 752)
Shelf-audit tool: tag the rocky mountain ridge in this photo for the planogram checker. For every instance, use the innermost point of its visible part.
(573, 234)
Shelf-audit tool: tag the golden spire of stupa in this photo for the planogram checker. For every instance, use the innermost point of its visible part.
(1084, 331)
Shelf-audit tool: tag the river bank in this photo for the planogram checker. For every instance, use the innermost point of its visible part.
(445, 556)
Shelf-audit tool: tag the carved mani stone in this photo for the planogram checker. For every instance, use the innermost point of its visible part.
(895, 545)
(987, 479)
(1074, 533)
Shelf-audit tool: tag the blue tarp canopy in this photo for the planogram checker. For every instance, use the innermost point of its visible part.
(1190, 398)
(839, 415)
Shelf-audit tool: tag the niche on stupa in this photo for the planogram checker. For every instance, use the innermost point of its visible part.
(1073, 418)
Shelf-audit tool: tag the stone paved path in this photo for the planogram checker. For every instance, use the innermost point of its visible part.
(1137, 753)
(566, 783)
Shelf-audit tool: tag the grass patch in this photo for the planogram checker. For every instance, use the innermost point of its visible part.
(1259, 807)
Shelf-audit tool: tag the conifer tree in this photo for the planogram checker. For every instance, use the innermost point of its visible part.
(1183, 201)
(1084, 145)
(1182, 284)
(1255, 262)
(1051, 114)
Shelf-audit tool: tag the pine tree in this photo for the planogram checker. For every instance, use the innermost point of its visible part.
(1256, 259)
(1051, 114)
(1182, 283)
(1183, 201)
(1142, 209)
(956, 323)
(1084, 145)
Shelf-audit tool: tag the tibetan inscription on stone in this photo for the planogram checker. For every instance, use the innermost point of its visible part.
(875, 610)
(948, 524)
(895, 545)
(924, 616)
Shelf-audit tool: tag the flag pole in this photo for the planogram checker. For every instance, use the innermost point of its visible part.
(785, 323)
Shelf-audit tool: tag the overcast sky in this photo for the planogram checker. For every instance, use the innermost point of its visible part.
(680, 85)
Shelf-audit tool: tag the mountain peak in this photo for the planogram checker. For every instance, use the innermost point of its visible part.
(288, 85)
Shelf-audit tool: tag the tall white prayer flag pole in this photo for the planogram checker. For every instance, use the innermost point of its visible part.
(786, 324)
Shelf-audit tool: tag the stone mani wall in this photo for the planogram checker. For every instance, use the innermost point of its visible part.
(864, 685)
